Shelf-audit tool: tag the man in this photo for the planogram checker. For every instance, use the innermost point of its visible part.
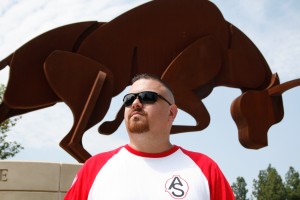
(149, 167)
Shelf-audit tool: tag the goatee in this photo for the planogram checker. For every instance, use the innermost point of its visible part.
(139, 123)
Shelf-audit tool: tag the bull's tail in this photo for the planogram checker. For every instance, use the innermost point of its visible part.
(6, 61)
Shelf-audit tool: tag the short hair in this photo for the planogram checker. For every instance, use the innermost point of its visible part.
(152, 77)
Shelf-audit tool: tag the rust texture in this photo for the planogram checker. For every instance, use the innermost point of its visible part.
(187, 43)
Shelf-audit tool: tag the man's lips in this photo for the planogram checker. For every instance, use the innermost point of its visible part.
(137, 112)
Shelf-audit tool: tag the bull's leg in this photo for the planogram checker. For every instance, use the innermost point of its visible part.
(80, 82)
(6, 61)
(75, 144)
(109, 127)
(27, 87)
(7, 112)
(191, 76)
(192, 105)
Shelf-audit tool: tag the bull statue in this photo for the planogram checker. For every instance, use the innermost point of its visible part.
(187, 43)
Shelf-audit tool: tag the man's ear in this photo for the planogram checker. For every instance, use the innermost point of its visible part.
(173, 112)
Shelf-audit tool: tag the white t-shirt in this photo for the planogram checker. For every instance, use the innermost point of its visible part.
(126, 174)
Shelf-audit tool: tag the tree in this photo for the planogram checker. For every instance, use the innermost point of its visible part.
(292, 184)
(239, 189)
(7, 149)
(269, 185)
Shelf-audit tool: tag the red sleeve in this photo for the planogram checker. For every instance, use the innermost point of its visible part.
(218, 185)
(87, 174)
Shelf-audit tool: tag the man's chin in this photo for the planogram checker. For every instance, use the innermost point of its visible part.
(138, 128)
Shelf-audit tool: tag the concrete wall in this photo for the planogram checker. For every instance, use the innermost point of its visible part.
(35, 180)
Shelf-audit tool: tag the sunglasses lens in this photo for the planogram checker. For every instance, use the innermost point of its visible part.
(129, 99)
(144, 97)
(147, 97)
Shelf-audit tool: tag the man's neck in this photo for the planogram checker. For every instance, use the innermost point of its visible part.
(142, 143)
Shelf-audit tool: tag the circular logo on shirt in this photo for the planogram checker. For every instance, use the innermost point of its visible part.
(177, 187)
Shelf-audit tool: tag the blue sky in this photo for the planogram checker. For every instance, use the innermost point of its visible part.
(274, 26)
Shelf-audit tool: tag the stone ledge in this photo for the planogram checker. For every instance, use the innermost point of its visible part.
(27, 195)
(35, 180)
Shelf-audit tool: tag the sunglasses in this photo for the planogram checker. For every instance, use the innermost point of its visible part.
(146, 97)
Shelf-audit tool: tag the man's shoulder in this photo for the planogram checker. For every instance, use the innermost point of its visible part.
(199, 158)
(103, 157)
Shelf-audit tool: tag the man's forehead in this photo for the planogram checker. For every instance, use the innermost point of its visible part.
(146, 85)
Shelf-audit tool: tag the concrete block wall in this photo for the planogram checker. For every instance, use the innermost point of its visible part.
(35, 180)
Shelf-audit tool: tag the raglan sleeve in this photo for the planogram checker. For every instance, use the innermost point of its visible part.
(79, 189)
(85, 177)
(219, 186)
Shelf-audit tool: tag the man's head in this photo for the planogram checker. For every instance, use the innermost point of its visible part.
(150, 106)
(155, 78)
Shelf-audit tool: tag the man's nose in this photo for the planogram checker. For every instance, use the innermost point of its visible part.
(136, 103)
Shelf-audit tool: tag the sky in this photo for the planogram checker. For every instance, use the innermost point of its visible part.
(273, 26)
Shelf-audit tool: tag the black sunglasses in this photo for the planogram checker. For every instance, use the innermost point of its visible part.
(147, 97)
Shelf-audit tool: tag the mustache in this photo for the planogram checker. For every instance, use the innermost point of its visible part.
(139, 111)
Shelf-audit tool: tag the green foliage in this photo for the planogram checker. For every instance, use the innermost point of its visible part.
(239, 189)
(292, 184)
(7, 149)
(269, 185)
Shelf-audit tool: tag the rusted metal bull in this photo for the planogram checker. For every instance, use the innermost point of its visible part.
(186, 42)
